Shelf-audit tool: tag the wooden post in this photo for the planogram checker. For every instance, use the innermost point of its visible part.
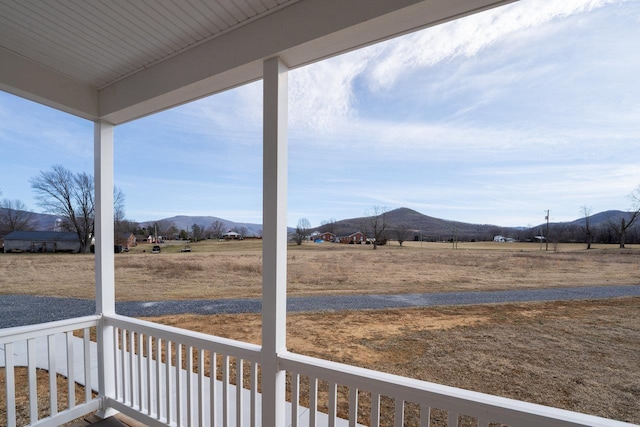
(104, 261)
(274, 250)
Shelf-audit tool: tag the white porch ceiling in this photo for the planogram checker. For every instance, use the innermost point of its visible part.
(118, 60)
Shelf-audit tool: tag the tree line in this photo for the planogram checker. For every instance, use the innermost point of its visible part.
(378, 229)
(70, 197)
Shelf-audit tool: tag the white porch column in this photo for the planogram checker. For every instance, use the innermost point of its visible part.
(274, 249)
(105, 275)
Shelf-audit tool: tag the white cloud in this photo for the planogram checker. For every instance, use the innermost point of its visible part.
(323, 95)
(468, 36)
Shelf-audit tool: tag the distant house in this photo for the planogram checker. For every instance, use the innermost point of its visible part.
(357, 237)
(41, 241)
(152, 239)
(231, 235)
(503, 239)
(127, 240)
(326, 236)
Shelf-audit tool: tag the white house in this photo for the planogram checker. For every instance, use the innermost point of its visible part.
(41, 241)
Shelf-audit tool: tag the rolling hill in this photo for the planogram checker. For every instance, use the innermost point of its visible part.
(430, 228)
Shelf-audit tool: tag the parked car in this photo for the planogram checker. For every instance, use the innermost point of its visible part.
(155, 250)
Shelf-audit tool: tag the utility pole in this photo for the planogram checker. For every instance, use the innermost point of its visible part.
(546, 239)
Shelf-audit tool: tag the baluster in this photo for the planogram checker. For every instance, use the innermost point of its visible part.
(86, 342)
(123, 359)
(375, 410)
(33, 380)
(141, 383)
(425, 415)
(201, 387)
(71, 383)
(168, 382)
(295, 399)
(148, 342)
(179, 384)
(159, 403)
(239, 399)
(398, 418)
(254, 394)
(10, 384)
(213, 395)
(189, 385)
(453, 419)
(353, 407)
(225, 390)
(53, 381)
(132, 367)
(333, 397)
(313, 402)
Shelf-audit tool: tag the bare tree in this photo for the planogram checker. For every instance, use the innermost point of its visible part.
(402, 232)
(14, 216)
(217, 228)
(375, 225)
(329, 225)
(120, 225)
(588, 233)
(302, 230)
(70, 196)
(626, 223)
(118, 206)
(197, 232)
(165, 227)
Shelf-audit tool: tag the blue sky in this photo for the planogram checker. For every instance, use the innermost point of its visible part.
(490, 119)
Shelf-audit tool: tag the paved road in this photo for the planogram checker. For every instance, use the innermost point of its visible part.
(16, 310)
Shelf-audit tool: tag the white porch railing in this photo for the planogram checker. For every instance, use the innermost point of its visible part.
(169, 376)
(167, 392)
(400, 393)
(54, 348)
(164, 376)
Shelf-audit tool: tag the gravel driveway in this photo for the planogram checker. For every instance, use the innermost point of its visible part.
(17, 310)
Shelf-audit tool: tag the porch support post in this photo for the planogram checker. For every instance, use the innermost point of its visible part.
(104, 253)
(274, 249)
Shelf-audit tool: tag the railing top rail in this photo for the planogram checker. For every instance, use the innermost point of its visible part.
(43, 329)
(481, 405)
(227, 346)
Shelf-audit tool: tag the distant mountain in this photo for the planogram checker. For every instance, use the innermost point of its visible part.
(185, 222)
(602, 219)
(429, 227)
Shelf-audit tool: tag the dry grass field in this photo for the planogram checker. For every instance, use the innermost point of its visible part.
(216, 270)
(581, 355)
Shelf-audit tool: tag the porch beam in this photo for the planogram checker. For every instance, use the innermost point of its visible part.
(104, 258)
(274, 249)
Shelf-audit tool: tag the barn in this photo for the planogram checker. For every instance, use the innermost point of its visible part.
(41, 241)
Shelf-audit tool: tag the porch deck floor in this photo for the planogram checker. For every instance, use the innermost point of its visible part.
(119, 420)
